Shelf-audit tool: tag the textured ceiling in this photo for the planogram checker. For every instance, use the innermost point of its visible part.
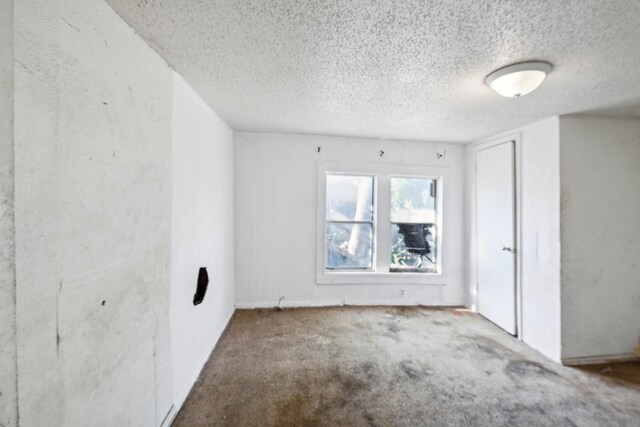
(407, 69)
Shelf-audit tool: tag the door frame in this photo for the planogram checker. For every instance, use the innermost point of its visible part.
(472, 230)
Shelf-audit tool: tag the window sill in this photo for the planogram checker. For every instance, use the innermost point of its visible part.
(433, 279)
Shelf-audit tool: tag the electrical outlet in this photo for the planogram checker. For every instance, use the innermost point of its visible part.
(402, 293)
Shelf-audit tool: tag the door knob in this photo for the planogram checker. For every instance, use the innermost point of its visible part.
(508, 249)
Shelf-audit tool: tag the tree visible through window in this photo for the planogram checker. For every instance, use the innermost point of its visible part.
(403, 239)
(349, 222)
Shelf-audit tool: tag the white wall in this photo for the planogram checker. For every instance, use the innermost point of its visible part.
(93, 218)
(538, 191)
(275, 227)
(202, 234)
(122, 173)
(540, 245)
(600, 166)
(8, 399)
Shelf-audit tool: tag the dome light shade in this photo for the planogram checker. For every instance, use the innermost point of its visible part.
(516, 80)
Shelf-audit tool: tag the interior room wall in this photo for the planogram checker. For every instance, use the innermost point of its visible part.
(540, 245)
(93, 218)
(96, 161)
(538, 189)
(600, 167)
(202, 234)
(8, 391)
(276, 213)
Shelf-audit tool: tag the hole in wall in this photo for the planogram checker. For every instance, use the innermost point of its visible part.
(201, 289)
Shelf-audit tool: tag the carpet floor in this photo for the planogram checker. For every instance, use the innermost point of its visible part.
(388, 366)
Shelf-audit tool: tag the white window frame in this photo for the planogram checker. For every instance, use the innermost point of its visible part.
(380, 273)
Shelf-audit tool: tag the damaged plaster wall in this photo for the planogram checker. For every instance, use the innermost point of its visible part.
(600, 159)
(93, 218)
(276, 213)
(8, 395)
(202, 234)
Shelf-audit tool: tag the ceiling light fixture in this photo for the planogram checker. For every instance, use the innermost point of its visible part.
(516, 80)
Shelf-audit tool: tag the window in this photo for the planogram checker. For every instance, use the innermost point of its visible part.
(413, 225)
(349, 222)
(379, 223)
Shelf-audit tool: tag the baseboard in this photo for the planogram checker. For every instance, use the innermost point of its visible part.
(170, 417)
(598, 360)
(346, 302)
(179, 403)
(287, 304)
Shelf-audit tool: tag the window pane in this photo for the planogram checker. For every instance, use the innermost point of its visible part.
(349, 198)
(413, 247)
(413, 200)
(349, 246)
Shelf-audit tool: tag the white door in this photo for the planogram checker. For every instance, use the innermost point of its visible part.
(495, 180)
